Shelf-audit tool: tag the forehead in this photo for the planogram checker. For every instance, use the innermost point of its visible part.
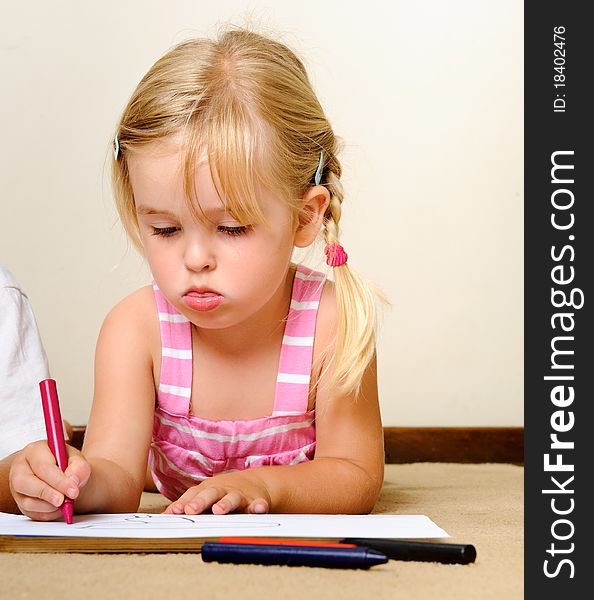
(157, 177)
(160, 164)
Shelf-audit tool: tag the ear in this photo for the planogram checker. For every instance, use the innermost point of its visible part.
(313, 207)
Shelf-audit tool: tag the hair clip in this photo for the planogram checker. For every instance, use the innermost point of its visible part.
(116, 147)
(318, 175)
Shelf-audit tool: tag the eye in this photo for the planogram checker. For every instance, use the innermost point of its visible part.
(165, 231)
(235, 230)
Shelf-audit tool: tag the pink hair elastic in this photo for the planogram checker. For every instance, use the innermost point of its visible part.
(335, 255)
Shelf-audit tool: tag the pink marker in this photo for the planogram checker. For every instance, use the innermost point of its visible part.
(55, 435)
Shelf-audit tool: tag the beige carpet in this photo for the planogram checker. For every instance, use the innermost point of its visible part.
(476, 504)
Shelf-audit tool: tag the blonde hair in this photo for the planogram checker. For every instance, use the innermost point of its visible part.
(245, 102)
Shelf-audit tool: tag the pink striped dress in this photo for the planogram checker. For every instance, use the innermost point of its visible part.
(186, 449)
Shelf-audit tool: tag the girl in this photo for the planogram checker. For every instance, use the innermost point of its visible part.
(247, 382)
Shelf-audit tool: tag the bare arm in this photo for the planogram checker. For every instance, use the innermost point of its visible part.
(346, 475)
(119, 430)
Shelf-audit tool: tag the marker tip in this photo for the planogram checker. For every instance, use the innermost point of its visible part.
(67, 511)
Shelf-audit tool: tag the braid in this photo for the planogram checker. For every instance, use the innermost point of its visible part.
(355, 336)
(334, 210)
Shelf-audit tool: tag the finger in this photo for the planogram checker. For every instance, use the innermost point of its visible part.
(228, 503)
(28, 485)
(178, 507)
(29, 505)
(43, 516)
(78, 470)
(258, 507)
(204, 499)
(47, 471)
(175, 508)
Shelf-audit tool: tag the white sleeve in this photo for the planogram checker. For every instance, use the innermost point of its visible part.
(23, 364)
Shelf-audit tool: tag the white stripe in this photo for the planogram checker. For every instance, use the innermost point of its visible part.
(200, 458)
(163, 461)
(239, 437)
(286, 413)
(176, 353)
(156, 465)
(172, 318)
(173, 467)
(304, 305)
(250, 459)
(183, 392)
(299, 458)
(297, 340)
(292, 378)
(180, 484)
(307, 277)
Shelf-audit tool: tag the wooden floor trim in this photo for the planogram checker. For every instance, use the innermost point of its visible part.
(454, 444)
(435, 444)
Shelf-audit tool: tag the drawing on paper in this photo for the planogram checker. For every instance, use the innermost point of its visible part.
(169, 522)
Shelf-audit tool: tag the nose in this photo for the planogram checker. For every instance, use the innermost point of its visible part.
(198, 255)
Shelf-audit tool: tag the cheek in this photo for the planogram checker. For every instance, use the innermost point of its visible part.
(157, 255)
(275, 248)
(149, 253)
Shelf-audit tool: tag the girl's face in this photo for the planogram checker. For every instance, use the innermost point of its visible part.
(217, 273)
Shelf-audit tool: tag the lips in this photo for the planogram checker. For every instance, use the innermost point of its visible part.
(202, 299)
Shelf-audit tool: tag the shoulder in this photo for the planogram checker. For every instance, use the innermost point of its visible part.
(133, 319)
(135, 309)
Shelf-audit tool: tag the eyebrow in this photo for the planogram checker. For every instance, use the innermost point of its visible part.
(149, 210)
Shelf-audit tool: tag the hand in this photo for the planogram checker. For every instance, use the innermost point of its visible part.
(38, 485)
(224, 493)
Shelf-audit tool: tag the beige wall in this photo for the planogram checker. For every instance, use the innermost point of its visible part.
(428, 98)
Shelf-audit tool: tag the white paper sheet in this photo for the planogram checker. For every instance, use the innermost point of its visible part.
(138, 525)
